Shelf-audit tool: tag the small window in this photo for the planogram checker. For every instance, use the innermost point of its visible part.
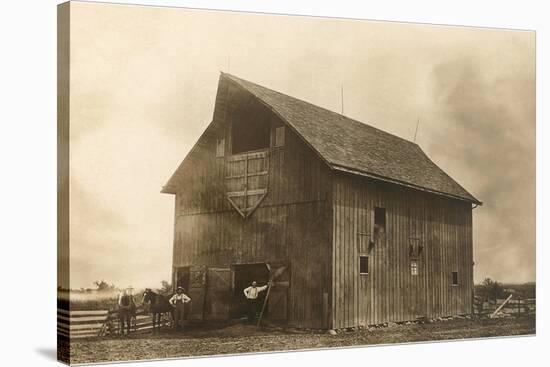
(363, 243)
(363, 264)
(455, 277)
(414, 267)
(220, 148)
(379, 220)
(279, 136)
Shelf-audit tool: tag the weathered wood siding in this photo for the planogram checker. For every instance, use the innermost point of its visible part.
(389, 292)
(291, 225)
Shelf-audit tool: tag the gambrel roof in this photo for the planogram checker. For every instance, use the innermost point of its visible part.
(351, 146)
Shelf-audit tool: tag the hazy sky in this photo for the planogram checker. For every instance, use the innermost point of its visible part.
(144, 80)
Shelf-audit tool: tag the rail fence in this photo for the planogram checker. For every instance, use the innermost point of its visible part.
(85, 324)
(513, 306)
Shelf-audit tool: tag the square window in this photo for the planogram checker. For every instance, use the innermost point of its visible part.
(363, 264)
(363, 240)
(279, 136)
(414, 267)
(220, 148)
(455, 277)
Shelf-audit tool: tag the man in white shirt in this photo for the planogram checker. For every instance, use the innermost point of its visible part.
(178, 301)
(251, 294)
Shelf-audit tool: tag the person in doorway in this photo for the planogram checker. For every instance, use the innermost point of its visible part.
(178, 301)
(251, 294)
(126, 309)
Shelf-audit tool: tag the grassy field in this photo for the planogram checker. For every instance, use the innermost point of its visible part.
(239, 338)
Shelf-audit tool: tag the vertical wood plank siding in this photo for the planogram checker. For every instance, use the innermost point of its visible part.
(319, 222)
(443, 227)
(292, 224)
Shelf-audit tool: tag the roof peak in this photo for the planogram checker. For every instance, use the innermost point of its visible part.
(350, 119)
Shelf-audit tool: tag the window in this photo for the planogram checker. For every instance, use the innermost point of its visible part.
(364, 243)
(455, 278)
(363, 264)
(379, 220)
(279, 136)
(414, 267)
(220, 148)
(415, 247)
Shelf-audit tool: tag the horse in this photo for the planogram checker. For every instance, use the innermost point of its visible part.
(126, 312)
(158, 307)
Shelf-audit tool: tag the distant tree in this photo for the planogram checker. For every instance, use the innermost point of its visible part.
(491, 289)
(103, 286)
(165, 287)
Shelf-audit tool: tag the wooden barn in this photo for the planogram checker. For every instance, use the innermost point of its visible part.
(359, 225)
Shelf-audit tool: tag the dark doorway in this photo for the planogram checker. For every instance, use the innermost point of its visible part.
(250, 135)
(243, 275)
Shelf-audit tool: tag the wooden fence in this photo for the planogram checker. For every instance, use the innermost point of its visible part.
(514, 307)
(85, 324)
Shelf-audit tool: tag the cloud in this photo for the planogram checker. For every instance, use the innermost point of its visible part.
(488, 128)
(143, 87)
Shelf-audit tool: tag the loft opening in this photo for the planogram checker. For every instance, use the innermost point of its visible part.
(379, 220)
(250, 134)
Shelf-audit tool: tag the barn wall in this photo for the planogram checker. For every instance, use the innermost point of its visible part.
(389, 292)
(296, 173)
(292, 223)
(292, 234)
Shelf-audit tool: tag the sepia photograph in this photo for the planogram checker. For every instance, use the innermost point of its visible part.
(236, 182)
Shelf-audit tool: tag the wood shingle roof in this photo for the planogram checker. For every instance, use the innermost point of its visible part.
(351, 146)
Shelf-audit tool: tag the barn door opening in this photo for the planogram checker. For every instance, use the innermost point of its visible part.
(418, 307)
(243, 275)
(417, 295)
(218, 294)
(278, 296)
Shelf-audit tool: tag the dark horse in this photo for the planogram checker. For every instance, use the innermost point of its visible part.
(158, 307)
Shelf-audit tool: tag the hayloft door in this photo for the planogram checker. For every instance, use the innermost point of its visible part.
(246, 180)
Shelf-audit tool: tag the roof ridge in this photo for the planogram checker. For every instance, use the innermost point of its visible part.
(362, 124)
(343, 141)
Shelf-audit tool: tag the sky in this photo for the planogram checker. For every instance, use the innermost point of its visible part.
(143, 85)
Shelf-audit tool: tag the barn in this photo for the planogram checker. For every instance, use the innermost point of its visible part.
(356, 226)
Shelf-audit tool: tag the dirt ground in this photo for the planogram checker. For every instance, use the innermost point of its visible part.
(240, 338)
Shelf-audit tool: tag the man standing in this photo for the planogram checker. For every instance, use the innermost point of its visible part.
(178, 301)
(251, 294)
(126, 307)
